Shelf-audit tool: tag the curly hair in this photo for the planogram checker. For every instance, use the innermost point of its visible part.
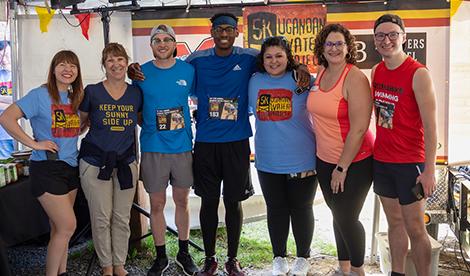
(219, 14)
(281, 42)
(320, 40)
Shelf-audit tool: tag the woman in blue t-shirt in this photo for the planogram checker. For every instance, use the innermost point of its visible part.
(53, 113)
(108, 169)
(284, 153)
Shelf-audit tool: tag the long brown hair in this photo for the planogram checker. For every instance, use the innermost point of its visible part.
(76, 89)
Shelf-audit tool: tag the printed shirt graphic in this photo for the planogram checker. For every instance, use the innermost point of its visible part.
(65, 123)
(58, 124)
(274, 105)
(400, 135)
(112, 121)
(284, 137)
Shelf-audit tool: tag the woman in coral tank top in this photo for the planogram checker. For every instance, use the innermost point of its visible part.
(340, 103)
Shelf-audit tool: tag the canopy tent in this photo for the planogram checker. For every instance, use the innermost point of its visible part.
(435, 32)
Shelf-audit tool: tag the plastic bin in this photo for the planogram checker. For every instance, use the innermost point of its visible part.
(386, 265)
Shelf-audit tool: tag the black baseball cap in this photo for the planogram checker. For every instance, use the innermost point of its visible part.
(393, 18)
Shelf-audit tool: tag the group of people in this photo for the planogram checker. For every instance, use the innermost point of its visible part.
(303, 137)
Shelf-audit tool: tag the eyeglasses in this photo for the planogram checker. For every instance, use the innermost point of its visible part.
(339, 45)
(165, 41)
(269, 38)
(392, 36)
(220, 30)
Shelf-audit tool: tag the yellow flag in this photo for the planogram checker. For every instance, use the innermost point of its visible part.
(44, 18)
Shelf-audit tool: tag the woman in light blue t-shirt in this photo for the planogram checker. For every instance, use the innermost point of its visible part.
(53, 112)
(284, 153)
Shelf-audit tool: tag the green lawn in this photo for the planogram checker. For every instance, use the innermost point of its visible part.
(255, 246)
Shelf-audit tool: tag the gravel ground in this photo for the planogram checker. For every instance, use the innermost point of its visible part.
(29, 260)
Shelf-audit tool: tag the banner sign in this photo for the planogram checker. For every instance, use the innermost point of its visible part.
(298, 23)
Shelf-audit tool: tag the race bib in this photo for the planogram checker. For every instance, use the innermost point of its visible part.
(170, 119)
(223, 108)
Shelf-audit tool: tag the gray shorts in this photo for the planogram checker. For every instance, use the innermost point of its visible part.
(159, 169)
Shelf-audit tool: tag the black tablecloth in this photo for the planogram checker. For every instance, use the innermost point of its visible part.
(21, 215)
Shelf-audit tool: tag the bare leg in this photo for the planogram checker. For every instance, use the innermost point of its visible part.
(157, 218)
(416, 229)
(63, 222)
(397, 236)
(358, 270)
(182, 218)
(345, 266)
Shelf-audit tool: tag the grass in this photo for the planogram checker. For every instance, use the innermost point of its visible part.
(255, 246)
(254, 250)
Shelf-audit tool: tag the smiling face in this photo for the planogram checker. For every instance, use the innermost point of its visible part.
(115, 67)
(163, 46)
(65, 74)
(389, 48)
(224, 41)
(275, 61)
(335, 54)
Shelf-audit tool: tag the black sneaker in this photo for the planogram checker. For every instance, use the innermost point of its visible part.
(210, 267)
(160, 265)
(232, 267)
(185, 261)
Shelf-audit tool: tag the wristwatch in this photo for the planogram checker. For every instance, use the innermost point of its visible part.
(341, 169)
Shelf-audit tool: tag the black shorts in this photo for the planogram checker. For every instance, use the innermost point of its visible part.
(54, 177)
(395, 180)
(230, 162)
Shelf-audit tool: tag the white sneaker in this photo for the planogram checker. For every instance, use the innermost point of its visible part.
(300, 267)
(280, 266)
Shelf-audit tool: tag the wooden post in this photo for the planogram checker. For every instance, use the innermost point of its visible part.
(138, 223)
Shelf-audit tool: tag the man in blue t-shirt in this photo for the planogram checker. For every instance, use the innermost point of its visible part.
(6, 98)
(222, 150)
(166, 143)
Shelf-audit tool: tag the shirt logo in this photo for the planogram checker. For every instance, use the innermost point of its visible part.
(182, 83)
(274, 104)
(237, 68)
(65, 123)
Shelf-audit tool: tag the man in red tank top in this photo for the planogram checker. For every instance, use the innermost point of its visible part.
(406, 143)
